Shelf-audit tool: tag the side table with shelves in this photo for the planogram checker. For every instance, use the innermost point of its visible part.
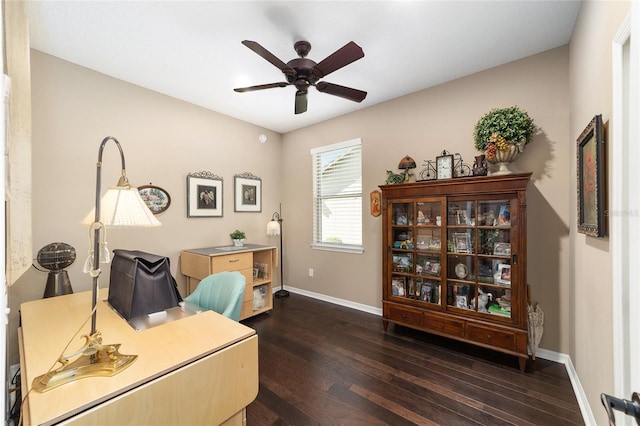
(454, 259)
(255, 262)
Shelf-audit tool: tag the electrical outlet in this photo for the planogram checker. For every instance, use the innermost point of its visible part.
(311, 272)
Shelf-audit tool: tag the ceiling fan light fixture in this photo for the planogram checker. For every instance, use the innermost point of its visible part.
(302, 72)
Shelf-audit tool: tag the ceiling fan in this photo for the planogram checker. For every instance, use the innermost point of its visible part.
(303, 72)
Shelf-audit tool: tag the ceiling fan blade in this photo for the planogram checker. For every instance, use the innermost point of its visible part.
(256, 47)
(348, 53)
(260, 87)
(301, 101)
(342, 91)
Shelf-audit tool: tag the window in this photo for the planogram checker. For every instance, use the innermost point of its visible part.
(337, 196)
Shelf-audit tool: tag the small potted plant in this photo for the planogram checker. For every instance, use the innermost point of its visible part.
(238, 238)
(502, 134)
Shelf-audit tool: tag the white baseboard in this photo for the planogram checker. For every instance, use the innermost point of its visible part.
(583, 403)
(335, 300)
(585, 409)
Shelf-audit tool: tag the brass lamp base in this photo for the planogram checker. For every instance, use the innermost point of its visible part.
(94, 360)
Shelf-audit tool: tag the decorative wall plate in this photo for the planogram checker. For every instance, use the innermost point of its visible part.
(156, 198)
(461, 271)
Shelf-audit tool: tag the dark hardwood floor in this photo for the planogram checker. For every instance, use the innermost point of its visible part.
(324, 364)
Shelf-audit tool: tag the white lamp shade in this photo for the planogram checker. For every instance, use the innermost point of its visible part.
(273, 228)
(121, 207)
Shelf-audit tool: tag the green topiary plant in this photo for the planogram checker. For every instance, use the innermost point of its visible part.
(237, 235)
(513, 124)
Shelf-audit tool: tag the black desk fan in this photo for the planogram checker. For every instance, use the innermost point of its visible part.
(55, 257)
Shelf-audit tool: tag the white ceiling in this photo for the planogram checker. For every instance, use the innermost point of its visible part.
(192, 50)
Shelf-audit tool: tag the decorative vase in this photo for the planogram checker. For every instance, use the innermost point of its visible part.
(503, 157)
(238, 242)
(480, 165)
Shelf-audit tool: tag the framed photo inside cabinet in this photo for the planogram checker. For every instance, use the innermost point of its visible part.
(397, 286)
(496, 269)
(504, 274)
(402, 263)
(432, 268)
(591, 184)
(461, 218)
(401, 218)
(157, 199)
(462, 301)
(204, 195)
(426, 293)
(502, 249)
(504, 216)
(248, 193)
(434, 243)
(462, 242)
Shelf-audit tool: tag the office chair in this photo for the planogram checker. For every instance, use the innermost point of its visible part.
(221, 292)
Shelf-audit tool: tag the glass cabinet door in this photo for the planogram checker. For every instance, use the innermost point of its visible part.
(402, 257)
(479, 256)
(416, 251)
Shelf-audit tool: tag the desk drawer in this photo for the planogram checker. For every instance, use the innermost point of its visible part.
(491, 336)
(232, 262)
(444, 325)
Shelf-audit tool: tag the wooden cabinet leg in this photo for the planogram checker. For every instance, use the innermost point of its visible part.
(523, 363)
(385, 324)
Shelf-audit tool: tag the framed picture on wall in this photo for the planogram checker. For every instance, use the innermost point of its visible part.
(248, 193)
(204, 195)
(591, 179)
(374, 201)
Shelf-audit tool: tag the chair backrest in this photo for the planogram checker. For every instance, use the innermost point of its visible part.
(221, 292)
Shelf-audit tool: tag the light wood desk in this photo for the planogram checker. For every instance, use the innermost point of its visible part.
(198, 370)
(254, 261)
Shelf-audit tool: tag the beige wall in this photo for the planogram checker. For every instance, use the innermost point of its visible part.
(591, 94)
(163, 140)
(422, 125)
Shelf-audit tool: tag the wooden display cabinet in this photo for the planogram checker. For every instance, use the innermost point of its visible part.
(455, 259)
(254, 261)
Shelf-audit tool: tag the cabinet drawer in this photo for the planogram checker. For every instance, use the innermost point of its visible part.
(232, 262)
(444, 325)
(403, 315)
(491, 336)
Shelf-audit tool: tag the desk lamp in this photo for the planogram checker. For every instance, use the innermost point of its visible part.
(121, 206)
(274, 227)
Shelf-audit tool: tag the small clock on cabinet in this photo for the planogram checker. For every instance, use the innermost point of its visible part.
(444, 167)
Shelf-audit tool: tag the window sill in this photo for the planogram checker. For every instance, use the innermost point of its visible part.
(338, 248)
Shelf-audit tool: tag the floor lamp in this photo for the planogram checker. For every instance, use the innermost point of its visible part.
(121, 206)
(274, 227)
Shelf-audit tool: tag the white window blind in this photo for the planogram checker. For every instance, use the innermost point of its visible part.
(337, 196)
